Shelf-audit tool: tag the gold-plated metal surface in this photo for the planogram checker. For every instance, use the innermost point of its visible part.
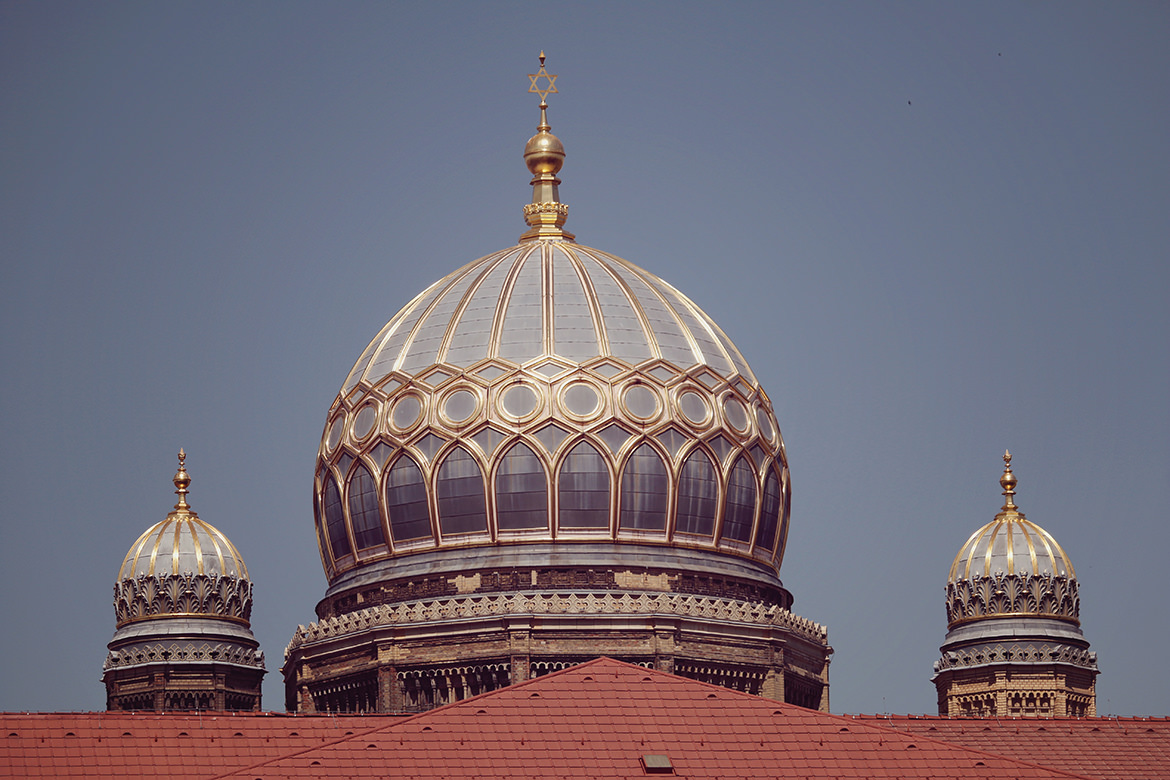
(1011, 567)
(550, 81)
(544, 154)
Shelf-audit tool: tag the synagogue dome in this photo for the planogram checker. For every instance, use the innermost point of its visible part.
(547, 404)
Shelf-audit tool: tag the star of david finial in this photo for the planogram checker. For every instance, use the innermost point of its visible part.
(550, 81)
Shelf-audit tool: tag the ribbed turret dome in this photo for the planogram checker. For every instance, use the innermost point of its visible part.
(182, 565)
(550, 404)
(1011, 566)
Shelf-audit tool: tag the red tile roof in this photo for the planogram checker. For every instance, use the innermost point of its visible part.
(162, 745)
(1108, 748)
(602, 719)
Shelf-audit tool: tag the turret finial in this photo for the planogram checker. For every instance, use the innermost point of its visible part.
(544, 154)
(1008, 483)
(182, 481)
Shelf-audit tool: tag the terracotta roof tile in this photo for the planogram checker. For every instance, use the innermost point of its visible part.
(593, 720)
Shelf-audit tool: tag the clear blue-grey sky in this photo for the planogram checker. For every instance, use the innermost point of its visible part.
(936, 231)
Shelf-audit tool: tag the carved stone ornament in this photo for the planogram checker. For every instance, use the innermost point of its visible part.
(463, 607)
(175, 652)
(1014, 653)
(1013, 594)
(144, 597)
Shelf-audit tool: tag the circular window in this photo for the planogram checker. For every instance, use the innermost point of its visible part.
(693, 407)
(767, 430)
(335, 432)
(519, 400)
(581, 399)
(641, 401)
(406, 412)
(735, 414)
(364, 422)
(460, 405)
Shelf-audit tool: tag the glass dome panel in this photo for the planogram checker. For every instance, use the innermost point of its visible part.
(698, 494)
(363, 510)
(521, 490)
(741, 502)
(769, 513)
(406, 501)
(335, 519)
(583, 489)
(460, 494)
(644, 490)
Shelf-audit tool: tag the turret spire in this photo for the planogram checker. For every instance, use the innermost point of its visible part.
(182, 481)
(1008, 483)
(544, 155)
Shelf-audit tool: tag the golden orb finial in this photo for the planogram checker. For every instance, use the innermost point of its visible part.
(544, 154)
(182, 482)
(1008, 483)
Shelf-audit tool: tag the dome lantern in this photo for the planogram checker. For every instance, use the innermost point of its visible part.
(544, 154)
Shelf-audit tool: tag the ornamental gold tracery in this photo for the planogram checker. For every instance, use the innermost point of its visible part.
(630, 407)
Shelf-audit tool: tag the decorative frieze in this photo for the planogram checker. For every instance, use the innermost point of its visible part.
(146, 596)
(494, 605)
(1013, 594)
(184, 652)
(1014, 653)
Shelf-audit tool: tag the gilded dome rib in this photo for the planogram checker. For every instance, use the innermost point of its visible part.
(457, 318)
(631, 298)
(599, 328)
(571, 276)
(502, 300)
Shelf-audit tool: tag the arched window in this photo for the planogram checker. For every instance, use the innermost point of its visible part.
(521, 490)
(406, 501)
(698, 492)
(335, 519)
(740, 506)
(363, 510)
(769, 513)
(460, 494)
(583, 489)
(644, 489)
(320, 531)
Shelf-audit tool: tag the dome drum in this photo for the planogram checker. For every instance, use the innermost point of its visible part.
(549, 449)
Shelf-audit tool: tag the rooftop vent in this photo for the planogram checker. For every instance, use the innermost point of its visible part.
(657, 765)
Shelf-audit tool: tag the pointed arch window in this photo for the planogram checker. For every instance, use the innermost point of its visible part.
(769, 513)
(698, 493)
(321, 532)
(521, 490)
(740, 507)
(406, 501)
(583, 489)
(460, 494)
(363, 510)
(644, 489)
(335, 519)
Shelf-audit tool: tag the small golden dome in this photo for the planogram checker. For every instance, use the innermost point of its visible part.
(182, 543)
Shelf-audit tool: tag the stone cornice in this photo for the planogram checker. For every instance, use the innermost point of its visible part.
(1012, 653)
(185, 652)
(600, 604)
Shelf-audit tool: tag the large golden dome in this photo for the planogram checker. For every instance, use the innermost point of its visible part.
(555, 402)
